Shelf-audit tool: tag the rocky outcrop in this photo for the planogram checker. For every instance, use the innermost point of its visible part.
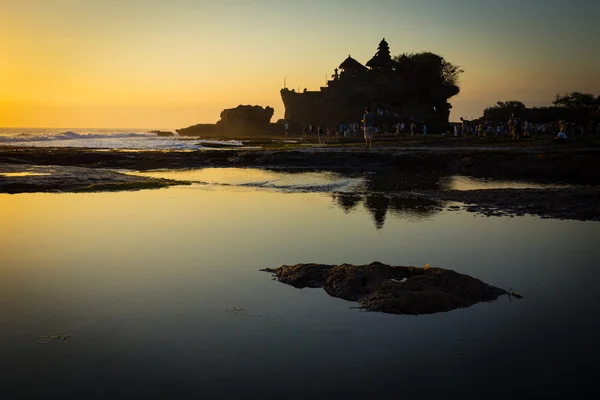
(246, 118)
(163, 133)
(240, 121)
(389, 289)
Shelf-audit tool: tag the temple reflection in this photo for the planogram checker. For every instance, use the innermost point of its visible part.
(396, 193)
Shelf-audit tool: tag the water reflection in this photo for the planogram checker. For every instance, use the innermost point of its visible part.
(380, 193)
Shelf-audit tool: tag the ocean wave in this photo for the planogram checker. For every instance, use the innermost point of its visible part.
(70, 135)
(232, 143)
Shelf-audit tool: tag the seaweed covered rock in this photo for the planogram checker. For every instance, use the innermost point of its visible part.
(391, 289)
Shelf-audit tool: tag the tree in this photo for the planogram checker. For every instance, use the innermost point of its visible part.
(430, 69)
(576, 100)
(512, 104)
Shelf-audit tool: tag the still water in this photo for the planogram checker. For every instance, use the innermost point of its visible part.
(147, 284)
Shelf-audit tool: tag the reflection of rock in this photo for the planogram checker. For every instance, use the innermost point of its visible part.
(347, 201)
(391, 192)
(395, 290)
(377, 206)
(414, 207)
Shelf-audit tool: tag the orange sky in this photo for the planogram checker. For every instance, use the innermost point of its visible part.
(156, 64)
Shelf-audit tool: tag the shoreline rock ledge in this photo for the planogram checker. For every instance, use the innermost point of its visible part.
(391, 289)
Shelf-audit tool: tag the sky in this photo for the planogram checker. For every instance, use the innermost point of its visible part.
(169, 64)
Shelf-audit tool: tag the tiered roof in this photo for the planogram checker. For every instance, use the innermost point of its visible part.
(381, 59)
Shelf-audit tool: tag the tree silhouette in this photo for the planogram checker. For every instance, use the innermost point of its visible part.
(576, 100)
(512, 104)
(430, 69)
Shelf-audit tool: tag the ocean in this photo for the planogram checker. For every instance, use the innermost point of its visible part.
(118, 139)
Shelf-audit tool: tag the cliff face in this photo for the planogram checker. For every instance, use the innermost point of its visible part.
(345, 103)
(242, 120)
(246, 118)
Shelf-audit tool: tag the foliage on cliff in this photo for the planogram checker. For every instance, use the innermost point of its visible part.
(577, 100)
(430, 70)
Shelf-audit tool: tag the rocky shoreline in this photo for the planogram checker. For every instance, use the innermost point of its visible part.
(391, 289)
(20, 178)
(572, 166)
(88, 169)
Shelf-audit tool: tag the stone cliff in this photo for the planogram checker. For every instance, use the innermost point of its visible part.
(242, 120)
(409, 86)
(246, 118)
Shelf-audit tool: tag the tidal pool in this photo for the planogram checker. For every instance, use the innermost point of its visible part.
(160, 294)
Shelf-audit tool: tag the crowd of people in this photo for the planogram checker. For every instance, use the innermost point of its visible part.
(514, 128)
(410, 126)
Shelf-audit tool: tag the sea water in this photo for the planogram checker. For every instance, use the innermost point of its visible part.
(161, 295)
(120, 139)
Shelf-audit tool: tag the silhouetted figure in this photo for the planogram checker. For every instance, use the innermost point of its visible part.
(320, 133)
(369, 124)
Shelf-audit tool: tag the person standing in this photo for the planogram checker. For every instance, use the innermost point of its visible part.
(518, 129)
(320, 132)
(369, 122)
(287, 129)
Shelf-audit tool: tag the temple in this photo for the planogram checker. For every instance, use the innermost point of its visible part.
(383, 84)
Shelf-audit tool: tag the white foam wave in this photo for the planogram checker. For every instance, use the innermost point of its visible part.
(70, 135)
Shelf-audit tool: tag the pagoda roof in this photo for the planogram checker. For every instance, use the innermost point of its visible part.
(382, 58)
(378, 61)
(351, 64)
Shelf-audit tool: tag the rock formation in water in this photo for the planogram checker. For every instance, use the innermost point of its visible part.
(415, 85)
(244, 119)
(163, 133)
(389, 289)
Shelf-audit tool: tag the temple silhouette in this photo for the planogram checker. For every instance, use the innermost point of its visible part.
(382, 83)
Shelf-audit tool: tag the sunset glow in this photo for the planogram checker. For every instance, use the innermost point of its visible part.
(156, 64)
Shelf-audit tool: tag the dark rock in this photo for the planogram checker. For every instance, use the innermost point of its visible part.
(246, 117)
(302, 275)
(163, 133)
(390, 289)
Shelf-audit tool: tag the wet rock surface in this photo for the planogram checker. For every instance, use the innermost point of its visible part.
(391, 289)
(395, 177)
(577, 166)
(574, 203)
(24, 178)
